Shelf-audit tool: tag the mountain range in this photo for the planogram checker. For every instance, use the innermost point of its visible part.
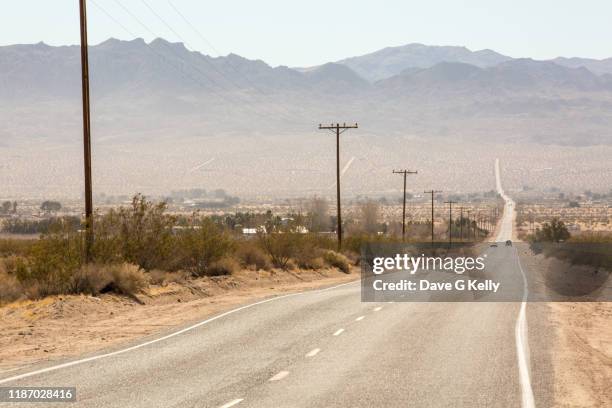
(160, 66)
(163, 96)
(391, 61)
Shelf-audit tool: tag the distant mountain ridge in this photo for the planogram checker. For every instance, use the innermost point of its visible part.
(159, 67)
(160, 110)
(164, 85)
(391, 61)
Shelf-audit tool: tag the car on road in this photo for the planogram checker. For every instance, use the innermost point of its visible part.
(508, 243)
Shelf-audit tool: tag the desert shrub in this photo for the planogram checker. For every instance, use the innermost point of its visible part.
(553, 231)
(337, 260)
(91, 279)
(250, 255)
(125, 279)
(281, 247)
(128, 279)
(224, 266)
(314, 263)
(202, 246)
(307, 254)
(140, 234)
(10, 288)
(52, 263)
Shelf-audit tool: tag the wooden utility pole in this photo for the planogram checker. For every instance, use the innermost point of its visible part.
(461, 224)
(450, 220)
(405, 173)
(432, 192)
(86, 132)
(338, 129)
(468, 224)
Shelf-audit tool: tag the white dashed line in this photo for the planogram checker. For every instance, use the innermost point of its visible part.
(232, 403)
(279, 376)
(338, 332)
(376, 309)
(313, 352)
(176, 333)
(359, 318)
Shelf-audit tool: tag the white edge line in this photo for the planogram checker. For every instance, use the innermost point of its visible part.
(192, 327)
(522, 345)
(520, 329)
(377, 309)
(313, 352)
(359, 318)
(232, 403)
(338, 332)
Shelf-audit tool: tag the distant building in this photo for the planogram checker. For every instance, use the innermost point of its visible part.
(254, 231)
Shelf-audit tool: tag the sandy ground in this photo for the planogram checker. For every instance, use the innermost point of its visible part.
(60, 327)
(581, 352)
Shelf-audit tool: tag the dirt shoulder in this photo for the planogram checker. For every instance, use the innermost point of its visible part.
(582, 354)
(59, 327)
(581, 347)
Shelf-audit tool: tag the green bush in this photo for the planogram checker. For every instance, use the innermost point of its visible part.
(201, 246)
(52, 263)
(281, 247)
(140, 234)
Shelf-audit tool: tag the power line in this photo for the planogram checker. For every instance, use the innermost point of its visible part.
(229, 61)
(163, 57)
(244, 106)
(213, 66)
(338, 129)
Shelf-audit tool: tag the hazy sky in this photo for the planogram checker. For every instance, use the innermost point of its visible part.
(310, 32)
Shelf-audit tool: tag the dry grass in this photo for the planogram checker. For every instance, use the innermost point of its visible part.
(125, 279)
(251, 256)
(337, 260)
(163, 278)
(225, 266)
(10, 288)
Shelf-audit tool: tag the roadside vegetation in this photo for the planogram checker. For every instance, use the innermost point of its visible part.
(553, 239)
(141, 244)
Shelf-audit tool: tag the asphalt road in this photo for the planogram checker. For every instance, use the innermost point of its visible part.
(328, 349)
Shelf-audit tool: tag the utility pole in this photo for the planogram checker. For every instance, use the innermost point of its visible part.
(86, 132)
(405, 173)
(338, 129)
(461, 224)
(450, 220)
(432, 192)
(468, 224)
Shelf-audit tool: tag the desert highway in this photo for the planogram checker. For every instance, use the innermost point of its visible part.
(326, 348)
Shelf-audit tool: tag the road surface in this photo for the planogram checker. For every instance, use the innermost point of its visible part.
(326, 348)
